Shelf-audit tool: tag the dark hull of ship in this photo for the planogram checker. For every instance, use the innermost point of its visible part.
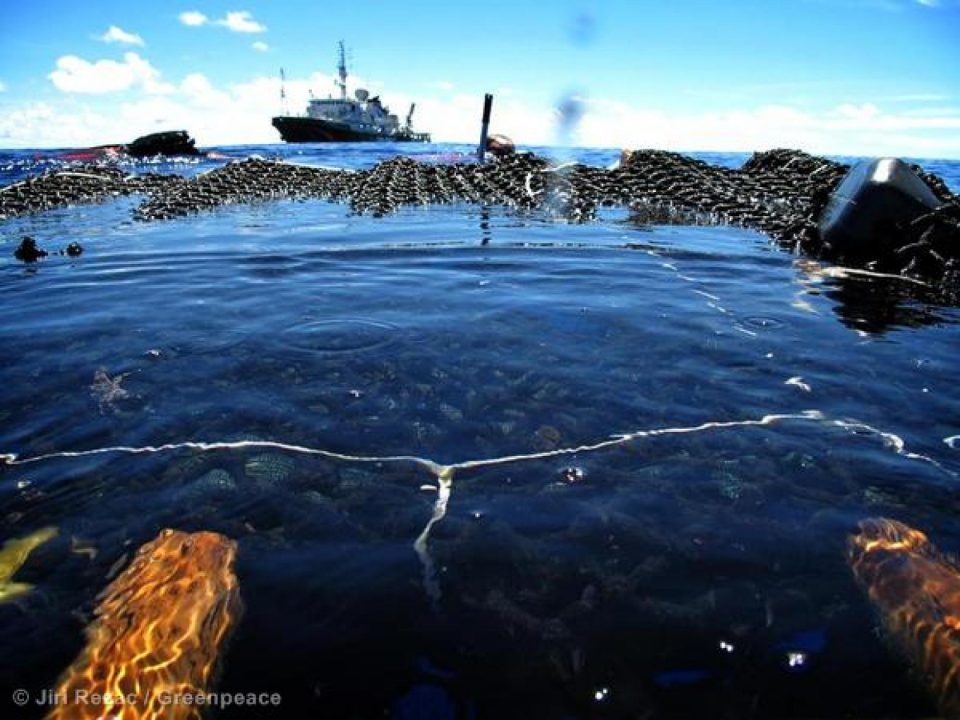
(305, 129)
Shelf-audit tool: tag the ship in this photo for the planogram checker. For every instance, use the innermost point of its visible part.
(359, 119)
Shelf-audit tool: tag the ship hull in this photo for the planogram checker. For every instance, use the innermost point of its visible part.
(306, 129)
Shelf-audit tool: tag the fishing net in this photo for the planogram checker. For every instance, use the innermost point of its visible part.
(780, 193)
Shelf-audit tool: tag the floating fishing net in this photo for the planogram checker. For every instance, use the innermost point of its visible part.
(780, 193)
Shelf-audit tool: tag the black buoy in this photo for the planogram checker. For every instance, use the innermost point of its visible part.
(866, 213)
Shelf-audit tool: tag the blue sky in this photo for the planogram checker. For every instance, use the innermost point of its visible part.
(865, 77)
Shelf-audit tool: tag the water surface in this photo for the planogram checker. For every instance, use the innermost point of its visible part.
(673, 575)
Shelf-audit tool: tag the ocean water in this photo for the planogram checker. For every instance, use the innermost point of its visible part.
(661, 439)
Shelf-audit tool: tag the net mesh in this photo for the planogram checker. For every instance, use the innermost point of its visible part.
(779, 192)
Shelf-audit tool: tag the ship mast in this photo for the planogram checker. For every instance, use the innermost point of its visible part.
(342, 69)
(283, 93)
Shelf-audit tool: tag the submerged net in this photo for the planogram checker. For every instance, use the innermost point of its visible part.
(780, 193)
(446, 474)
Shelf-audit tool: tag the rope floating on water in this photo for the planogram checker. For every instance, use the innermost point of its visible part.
(445, 473)
(14, 459)
(435, 468)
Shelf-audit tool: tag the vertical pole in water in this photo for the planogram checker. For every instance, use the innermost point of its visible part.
(487, 104)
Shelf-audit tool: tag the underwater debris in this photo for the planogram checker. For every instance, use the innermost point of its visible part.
(107, 390)
(13, 555)
(158, 631)
(917, 592)
(269, 470)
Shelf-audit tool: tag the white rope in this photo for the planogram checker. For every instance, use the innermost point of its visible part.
(445, 473)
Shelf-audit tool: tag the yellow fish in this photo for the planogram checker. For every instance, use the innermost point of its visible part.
(917, 591)
(13, 555)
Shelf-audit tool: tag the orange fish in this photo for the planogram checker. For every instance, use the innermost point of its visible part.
(917, 590)
(157, 633)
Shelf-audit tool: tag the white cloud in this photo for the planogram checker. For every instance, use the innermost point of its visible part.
(193, 18)
(857, 113)
(260, 46)
(929, 3)
(116, 35)
(41, 125)
(845, 130)
(76, 75)
(241, 21)
(198, 104)
(200, 93)
(3, 87)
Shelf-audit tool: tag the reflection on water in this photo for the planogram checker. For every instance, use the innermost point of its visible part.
(475, 464)
(874, 302)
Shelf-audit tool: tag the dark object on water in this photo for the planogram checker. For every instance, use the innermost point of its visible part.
(868, 211)
(346, 120)
(28, 250)
(500, 145)
(175, 142)
(484, 125)
(171, 143)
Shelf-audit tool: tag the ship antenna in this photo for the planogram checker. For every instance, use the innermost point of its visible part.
(283, 93)
(342, 68)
